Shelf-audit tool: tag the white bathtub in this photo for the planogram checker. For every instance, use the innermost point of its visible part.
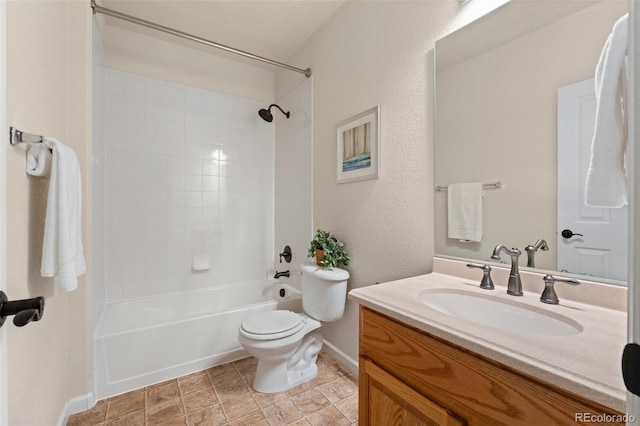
(145, 341)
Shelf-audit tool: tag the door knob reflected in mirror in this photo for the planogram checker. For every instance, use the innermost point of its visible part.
(568, 233)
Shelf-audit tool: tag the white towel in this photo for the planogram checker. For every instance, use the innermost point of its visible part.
(62, 252)
(606, 184)
(465, 211)
(38, 160)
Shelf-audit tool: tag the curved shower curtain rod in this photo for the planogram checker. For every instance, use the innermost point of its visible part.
(119, 15)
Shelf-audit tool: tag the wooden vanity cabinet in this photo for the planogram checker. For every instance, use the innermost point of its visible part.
(409, 377)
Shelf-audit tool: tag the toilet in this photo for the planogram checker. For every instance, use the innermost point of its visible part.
(285, 343)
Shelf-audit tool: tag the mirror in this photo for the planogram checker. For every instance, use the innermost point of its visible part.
(499, 83)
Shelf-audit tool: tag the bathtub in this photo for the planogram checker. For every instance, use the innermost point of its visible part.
(144, 341)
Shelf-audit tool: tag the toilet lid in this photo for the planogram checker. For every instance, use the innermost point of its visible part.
(272, 322)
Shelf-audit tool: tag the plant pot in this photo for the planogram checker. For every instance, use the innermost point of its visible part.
(319, 255)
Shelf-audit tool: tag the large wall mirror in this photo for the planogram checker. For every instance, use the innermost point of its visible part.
(515, 105)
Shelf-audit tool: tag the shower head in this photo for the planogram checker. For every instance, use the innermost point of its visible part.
(266, 115)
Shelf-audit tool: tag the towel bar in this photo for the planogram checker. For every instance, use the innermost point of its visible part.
(17, 136)
(494, 185)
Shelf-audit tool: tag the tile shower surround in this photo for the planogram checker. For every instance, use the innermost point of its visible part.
(187, 172)
(223, 395)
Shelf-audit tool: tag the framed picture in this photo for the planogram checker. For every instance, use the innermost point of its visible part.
(359, 147)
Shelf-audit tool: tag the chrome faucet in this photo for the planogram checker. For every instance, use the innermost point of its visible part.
(514, 287)
(532, 249)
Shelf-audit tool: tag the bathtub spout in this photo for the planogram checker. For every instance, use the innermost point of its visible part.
(281, 274)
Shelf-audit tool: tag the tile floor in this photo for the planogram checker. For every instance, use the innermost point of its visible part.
(223, 395)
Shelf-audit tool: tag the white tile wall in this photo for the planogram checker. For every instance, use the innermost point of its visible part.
(293, 177)
(187, 172)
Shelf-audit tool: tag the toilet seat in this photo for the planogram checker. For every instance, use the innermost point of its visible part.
(272, 325)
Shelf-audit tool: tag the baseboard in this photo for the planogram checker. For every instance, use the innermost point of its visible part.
(76, 405)
(344, 359)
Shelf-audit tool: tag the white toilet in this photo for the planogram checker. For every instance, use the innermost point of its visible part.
(283, 342)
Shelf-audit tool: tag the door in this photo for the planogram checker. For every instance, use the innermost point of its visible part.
(602, 249)
(3, 207)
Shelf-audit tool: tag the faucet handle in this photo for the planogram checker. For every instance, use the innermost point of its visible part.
(487, 282)
(549, 294)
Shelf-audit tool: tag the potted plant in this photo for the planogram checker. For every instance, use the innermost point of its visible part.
(328, 250)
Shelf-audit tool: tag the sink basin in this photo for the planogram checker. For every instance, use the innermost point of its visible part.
(488, 311)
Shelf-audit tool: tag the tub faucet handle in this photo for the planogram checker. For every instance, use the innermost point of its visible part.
(286, 254)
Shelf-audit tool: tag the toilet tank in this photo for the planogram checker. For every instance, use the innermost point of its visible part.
(324, 292)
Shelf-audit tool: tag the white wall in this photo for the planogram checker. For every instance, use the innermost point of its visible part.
(48, 80)
(172, 59)
(375, 53)
(189, 172)
(293, 177)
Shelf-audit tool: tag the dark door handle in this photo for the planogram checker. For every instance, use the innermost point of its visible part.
(25, 310)
(568, 233)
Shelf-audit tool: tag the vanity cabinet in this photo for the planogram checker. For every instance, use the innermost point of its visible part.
(409, 377)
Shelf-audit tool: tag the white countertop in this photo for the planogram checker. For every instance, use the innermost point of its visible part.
(587, 364)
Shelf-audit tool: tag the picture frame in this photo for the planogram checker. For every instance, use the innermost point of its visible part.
(358, 147)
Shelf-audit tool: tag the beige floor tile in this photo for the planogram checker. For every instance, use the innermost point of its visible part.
(125, 404)
(194, 382)
(230, 389)
(282, 413)
(182, 421)
(324, 358)
(349, 407)
(301, 388)
(162, 392)
(310, 401)
(329, 416)
(164, 412)
(337, 389)
(135, 418)
(197, 400)
(209, 416)
(222, 373)
(301, 422)
(249, 379)
(246, 366)
(239, 406)
(223, 395)
(94, 416)
(267, 399)
(324, 375)
(254, 419)
(338, 369)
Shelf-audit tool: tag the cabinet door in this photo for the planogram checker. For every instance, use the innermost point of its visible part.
(386, 401)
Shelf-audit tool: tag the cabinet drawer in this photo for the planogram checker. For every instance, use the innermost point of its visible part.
(479, 390)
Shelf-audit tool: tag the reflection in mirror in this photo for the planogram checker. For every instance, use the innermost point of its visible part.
(515, 105)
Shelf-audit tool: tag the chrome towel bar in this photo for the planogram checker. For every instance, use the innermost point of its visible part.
(17, 136)
(494, 185)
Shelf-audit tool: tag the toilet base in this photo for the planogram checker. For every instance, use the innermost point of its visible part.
(272, 377)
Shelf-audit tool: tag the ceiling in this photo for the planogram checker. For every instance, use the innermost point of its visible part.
(272, 29)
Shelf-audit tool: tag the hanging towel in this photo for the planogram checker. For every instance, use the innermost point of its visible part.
(62, 252)
(606, 184)
(465, 211)
(38, 160)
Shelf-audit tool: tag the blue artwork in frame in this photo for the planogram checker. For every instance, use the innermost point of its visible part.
(358, 147)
